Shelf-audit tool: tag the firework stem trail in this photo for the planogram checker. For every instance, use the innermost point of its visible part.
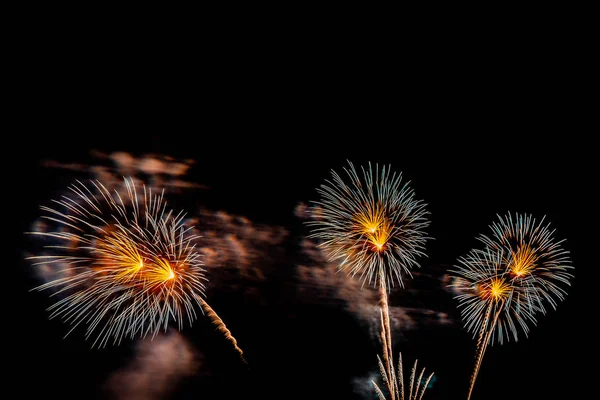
(386, 333)
(221, 327)
(482, 342)
(401, 376)
(480, 349)
(425, 386)
(412, 380)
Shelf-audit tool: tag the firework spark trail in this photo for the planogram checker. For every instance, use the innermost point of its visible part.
(480, 349)
(401, 376)
(412, 380)
(221, 327)
(385, 372)
(425, 384)
(396, 388)
(125, 265)
(482, 343)
(386, 333)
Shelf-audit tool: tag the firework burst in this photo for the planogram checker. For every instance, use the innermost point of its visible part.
(121, 263)
(372, 223)
(504, 285)
(534, 260)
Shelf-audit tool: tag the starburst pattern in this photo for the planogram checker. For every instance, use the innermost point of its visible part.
(504, 285)
(123, 265)
(372, 223)
(535, 260)
(484, 286)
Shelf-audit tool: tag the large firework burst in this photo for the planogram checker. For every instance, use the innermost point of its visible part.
(372, 223)
(121, 263)
(504, 285)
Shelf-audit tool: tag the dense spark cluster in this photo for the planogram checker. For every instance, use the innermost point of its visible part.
(534, 261)
(121, 264)
(505, 284)
(526, 265)
(372, 223)
(486, 289)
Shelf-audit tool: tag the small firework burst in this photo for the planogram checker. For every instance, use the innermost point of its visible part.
(121, 264)
(372, 223)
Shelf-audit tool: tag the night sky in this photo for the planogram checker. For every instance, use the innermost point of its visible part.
(497, 148)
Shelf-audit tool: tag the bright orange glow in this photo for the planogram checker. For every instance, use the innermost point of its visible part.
(380, 237)
(523, 261)
(370, 220)
(161, 271)
(120, 253)
(374, 226)
(497, 289)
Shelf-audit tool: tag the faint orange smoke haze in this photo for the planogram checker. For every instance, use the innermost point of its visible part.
(156, 369)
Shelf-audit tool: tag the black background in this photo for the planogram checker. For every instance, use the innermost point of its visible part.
(476, 136)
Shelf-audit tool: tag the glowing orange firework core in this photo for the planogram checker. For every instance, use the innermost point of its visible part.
(379, 237)
(119, 255)
(161, 272)
(523, 261)
(497, 289)
(370, 219)
(374, 226)
(121, 258)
